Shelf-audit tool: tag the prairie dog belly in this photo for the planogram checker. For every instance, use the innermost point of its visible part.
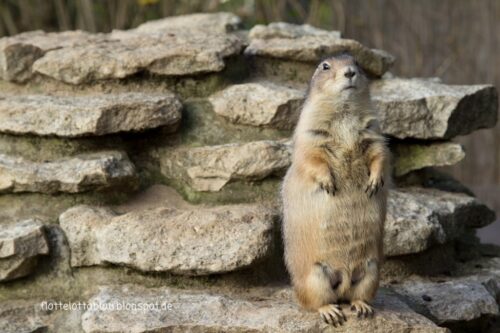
(342, 230)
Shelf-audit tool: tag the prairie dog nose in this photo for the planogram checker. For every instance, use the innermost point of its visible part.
(349, 73)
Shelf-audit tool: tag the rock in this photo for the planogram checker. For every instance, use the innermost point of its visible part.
(211, 168)
(433, 178)
(426, 109)
(21, 244)
(307, 44)
(450, 301)
(419, 218)
(291, 31)
(125, 53)
(485, 270)
(214, 22)
(184, 310)
(440, 259)
(259, 104)
(410, 157)
(96, 114)
(34, 316)
(197, 241)
(86, 172)
(48, 207)
(19, 52)
(16, 318)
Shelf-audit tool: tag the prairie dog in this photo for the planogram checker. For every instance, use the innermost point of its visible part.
(334, 198)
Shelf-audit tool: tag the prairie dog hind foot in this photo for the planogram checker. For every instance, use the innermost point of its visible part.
(332, 314)
(362, 309)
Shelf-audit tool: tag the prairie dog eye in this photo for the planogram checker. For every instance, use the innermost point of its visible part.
(325, 66)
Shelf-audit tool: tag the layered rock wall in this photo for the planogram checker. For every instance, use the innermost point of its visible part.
(144, 166)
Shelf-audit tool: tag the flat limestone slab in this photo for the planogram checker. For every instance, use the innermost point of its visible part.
(19, 52)
(21, 244)
(410, 157)
(182, 45)
(89, 115)
(408, 108)
(450, 301)
(189, 241)
(211, 168)
(259, 104)
(220, 22)
(307, 44)
(426, 109)
(419, 218)
(32, 316)
(185, 310)
(86, 172)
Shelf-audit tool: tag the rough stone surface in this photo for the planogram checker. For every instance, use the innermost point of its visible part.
(450, 301)
(80, 173)
(288, 30)
(20, 245)
(29, 316)
(196, 241)
(419, 218)
(203, 312)
(214, 22)
(15, 319)
(19, 52)
(426, 109)
(96, 114)
(162, 47)
(211, 168)
(307, 44)
(259, 104)
(181, 45)
(410, 157)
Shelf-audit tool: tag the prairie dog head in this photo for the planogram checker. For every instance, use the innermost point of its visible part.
(338, 79)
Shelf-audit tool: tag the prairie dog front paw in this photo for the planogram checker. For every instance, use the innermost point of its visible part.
(375, 183)
(326, 182)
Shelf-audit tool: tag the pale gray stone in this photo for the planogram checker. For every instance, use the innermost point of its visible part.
(191, 241)
(20, 318)
(259, 104)
(410, 157)
(19, 52)
(450, 301)
(21, 244)
(33, 316)
(484, 270)
(288, 30)
(185, 310)
(125, 53)
(182, 45)
(214, 22)
(95, 114)
(426, 109)
(307, 44)
(85, 172)
(210, 168)
(418, 218)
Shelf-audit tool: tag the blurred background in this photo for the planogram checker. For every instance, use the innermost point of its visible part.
(456, 40)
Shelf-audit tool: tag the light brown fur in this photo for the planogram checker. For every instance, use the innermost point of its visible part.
(334, 198)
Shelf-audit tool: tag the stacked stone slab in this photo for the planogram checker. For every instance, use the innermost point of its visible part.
(143, 166)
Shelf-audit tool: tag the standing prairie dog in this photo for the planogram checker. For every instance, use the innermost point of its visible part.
(334, 199)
